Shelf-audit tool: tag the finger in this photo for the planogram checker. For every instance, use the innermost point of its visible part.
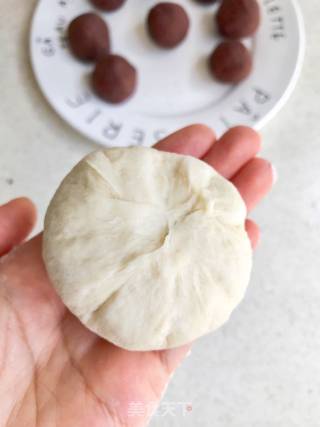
(17, 219)
(253, 232)
(234, 149)
(193, 140)
(254, 181)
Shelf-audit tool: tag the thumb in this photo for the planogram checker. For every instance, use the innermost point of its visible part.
(131, 383)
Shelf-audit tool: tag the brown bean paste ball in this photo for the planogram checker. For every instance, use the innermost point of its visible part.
(108, 5)
(168, 24)
(114, 79)
(207, 2)
(230, 62)
(238, 18)
(89, 37)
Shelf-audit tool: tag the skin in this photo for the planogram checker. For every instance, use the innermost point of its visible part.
(54, 372)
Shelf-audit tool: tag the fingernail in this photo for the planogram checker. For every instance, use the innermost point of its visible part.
(174, 357)
(188, 354)
(274, 174)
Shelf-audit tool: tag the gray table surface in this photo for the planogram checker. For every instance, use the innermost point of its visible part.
(263, 368)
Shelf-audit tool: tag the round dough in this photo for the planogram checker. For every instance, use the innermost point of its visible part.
(148, 249)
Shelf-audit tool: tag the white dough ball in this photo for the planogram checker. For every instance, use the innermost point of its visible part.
(148, 249)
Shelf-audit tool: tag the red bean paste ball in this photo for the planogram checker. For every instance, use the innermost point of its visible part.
(230, 62)
(207, 2)
(238, 18)
(114, 79)
(108, 5)
(168, 24)
(89, 37)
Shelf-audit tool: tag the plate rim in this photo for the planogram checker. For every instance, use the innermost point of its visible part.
(292, 83)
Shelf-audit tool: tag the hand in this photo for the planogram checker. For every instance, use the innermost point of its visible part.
(55, 372)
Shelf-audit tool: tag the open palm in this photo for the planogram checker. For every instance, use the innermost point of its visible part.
(55, 372)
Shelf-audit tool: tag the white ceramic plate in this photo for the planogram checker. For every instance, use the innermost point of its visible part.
(175, 88)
